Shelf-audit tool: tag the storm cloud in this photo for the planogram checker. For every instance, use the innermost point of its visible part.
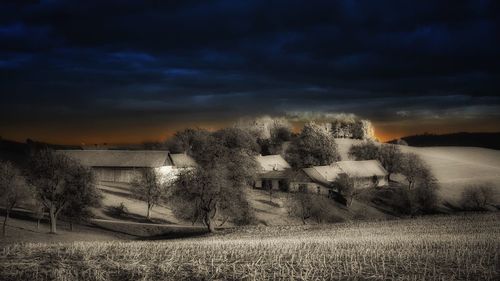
(101, 67)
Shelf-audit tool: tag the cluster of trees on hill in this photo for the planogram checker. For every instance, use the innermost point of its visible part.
(214, 192)
(51, 182)
(421, 193)
(350, 127)
(314, 146)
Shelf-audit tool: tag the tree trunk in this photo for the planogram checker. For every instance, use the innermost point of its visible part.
(208, 222)
(5, 222)
(38, 224)
(70, 226)
(148, 216)
(195, 218)
(53, 220)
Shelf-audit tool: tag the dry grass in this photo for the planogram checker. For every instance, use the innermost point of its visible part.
(439, 248)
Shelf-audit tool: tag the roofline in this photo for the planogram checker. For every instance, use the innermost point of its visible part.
(117, 150)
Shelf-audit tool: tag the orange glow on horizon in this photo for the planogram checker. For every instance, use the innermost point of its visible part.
(136, 134)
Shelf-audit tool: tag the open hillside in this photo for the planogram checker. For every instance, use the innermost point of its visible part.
(268, 210)
(454, 167)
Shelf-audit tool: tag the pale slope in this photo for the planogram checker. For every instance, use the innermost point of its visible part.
(454, 167)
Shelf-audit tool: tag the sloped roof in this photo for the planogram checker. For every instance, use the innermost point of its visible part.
(323, 174)
(182, 160)
(271, 163)
(355, 169)
(362, 169)
(120, 158)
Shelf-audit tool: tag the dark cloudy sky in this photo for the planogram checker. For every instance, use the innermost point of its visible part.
(126, 71)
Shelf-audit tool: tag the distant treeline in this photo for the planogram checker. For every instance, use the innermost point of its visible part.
(486, 140)
(18, 152)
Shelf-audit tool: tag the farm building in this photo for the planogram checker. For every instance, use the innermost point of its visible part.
(182, 160)
(300, 181)
(365, 173)
(321, 177)
(272, 171)
(121, 165)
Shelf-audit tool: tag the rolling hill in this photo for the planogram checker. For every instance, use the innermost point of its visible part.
(454, 167)
(485, 140)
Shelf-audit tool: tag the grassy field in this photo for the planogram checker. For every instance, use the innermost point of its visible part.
(433, 248)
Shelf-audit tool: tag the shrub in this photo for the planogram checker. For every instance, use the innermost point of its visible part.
(119, 210)
(309, 206)
(477, 198)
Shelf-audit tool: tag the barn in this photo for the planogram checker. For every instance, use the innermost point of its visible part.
(120, 165)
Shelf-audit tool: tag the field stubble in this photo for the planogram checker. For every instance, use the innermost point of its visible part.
(437, 248)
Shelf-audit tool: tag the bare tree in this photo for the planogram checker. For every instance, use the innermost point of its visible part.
(391, 157)
(85, 195)
(309, 206)
(150, 188)
(346, 186)
(58, 181)
(12, 190)
(37, 209)
(477, 197)
(414, 168)
(300, 205)
(205, 190)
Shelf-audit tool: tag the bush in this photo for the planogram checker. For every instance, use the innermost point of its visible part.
(308, 206)
(119, 210)
(477, 198)
(424, 198)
